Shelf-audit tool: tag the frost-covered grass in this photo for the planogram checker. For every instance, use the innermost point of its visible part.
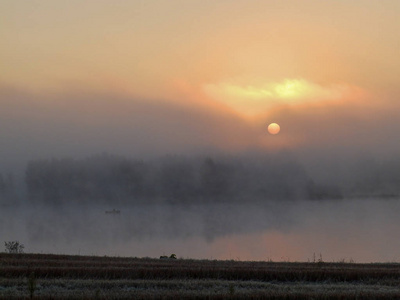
(90, 277)
(190, 289)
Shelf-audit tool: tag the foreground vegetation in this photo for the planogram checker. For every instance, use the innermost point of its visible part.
(87, 277)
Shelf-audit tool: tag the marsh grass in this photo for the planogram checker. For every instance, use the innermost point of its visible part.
(31, 285)
(89, 277)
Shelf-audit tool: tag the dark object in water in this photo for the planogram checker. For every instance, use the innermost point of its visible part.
(114, 212)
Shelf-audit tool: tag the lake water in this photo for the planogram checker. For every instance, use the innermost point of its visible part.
(360, 230)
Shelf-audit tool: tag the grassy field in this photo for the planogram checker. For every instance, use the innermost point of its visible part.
(91, 277)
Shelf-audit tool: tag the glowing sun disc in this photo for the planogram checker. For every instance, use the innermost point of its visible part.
(274, 128)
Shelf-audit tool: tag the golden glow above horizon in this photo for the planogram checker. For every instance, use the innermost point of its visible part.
(287, 89)
(257, 99)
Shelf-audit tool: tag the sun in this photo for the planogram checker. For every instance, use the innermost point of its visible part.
(274, 128)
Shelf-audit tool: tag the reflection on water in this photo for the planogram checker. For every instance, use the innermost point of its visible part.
(364, 230)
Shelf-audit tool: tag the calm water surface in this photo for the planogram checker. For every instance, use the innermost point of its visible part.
(362, 230)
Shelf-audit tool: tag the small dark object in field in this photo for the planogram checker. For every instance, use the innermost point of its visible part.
(172, 256)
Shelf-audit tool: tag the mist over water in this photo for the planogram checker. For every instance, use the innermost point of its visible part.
(249, 207)
(362, 230)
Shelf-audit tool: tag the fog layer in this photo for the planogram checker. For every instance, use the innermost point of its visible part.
(226, 207)
(78, 123)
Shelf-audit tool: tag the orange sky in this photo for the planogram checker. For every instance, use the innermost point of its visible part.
(326, 71)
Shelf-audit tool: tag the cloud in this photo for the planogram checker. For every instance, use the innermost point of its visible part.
(85, 122)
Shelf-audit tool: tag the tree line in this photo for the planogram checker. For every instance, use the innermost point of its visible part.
(170, 179)
(116, 180)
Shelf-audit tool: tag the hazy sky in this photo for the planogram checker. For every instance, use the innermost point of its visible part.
(155, 76)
